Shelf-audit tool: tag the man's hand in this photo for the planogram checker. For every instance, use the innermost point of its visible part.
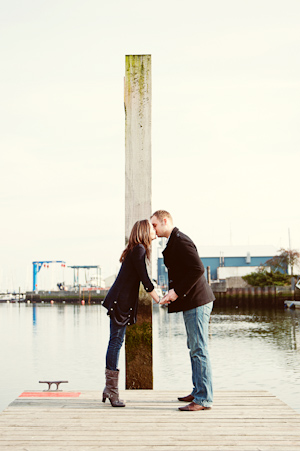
(169, 297)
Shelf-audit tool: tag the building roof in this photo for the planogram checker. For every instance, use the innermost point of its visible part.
(237, 251)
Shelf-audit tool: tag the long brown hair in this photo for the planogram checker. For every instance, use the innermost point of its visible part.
(140, 234)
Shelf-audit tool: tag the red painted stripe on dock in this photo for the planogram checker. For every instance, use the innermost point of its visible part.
(28, 394)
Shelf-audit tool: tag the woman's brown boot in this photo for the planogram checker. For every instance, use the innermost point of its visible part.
(111, 390)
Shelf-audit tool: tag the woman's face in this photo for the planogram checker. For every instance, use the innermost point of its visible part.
(152, 232)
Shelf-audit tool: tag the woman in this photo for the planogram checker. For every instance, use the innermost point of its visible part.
(122, 300)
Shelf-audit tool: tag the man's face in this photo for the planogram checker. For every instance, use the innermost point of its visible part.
(159, 227)
(152, 232)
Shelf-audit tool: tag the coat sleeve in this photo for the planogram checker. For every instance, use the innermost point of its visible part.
(139, 262)
(191, 267)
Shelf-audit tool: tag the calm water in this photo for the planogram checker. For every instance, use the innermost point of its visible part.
(250, 350)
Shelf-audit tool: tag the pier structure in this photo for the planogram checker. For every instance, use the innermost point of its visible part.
(78, 420)
(37, 266)
(138, 193)
(76, 269)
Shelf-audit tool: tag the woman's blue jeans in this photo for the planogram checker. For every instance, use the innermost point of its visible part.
(116, 339)
(196, 323)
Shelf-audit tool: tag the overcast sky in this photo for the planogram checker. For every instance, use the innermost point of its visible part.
(225, 125)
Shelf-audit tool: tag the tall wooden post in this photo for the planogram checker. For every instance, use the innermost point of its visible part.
(137, 100)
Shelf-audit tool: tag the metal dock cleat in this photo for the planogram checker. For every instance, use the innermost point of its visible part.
(53, 382)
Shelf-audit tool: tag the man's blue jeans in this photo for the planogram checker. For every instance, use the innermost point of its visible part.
(117, 334)
(196, 323)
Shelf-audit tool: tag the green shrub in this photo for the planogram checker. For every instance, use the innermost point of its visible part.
(264, 278)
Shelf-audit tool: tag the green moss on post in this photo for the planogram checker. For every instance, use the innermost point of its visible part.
(138, 346)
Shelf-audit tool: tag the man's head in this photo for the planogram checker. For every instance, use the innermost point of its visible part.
(162, 222)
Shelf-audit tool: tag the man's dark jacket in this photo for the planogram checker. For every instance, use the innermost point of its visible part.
(186, 273)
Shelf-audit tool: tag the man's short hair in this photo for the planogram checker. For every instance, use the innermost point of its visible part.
(161, 214)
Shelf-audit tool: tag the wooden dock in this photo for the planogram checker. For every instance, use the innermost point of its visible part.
(77, 421)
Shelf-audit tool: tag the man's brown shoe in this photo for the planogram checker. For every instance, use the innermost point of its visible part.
(188, 398)
(193, 407)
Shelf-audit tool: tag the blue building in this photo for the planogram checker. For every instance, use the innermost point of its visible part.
(234, 261)
(224, 261)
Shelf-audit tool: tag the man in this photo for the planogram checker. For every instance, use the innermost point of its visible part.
(189, 293)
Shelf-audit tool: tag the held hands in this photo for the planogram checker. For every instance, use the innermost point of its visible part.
(169, 297)
(155, 296)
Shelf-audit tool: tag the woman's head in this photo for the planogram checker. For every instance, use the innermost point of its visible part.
(142, 233)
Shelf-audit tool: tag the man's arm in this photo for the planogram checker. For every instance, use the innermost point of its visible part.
(191, 266)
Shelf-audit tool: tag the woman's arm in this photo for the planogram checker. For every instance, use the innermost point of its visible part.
(138, 259)
(154, 296)
(139, 255)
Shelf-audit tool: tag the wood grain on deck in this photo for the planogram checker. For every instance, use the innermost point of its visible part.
(238, 421)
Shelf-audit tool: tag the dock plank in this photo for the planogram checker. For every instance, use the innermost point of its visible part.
(239, 421)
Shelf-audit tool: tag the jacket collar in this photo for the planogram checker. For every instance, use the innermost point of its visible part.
(171, 239)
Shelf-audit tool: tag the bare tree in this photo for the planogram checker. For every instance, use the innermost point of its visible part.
(284, 259)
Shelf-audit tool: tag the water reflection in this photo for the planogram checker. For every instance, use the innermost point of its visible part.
(250, 350)
(34, 315)
(280, 328)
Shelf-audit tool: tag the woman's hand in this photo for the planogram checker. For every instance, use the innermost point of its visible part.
(154, 296)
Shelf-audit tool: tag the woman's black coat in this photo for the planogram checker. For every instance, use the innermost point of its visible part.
(122, 299)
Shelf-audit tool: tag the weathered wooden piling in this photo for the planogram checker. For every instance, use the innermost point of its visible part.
(138, 192)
